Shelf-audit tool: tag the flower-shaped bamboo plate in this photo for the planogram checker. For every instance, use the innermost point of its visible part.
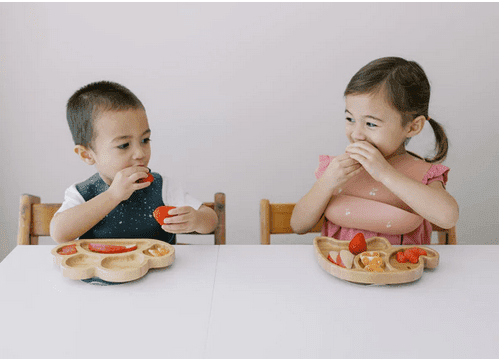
(118, 267)
(394, 272)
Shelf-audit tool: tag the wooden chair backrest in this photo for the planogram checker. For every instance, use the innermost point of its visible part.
(35, 217)
(275, 219)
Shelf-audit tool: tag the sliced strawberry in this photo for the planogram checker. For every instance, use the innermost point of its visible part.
(401, 258)
(332, 256)
(70, 249)
(110, 249)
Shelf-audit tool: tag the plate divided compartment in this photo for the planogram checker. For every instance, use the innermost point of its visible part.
(393, 271)
(113, 267)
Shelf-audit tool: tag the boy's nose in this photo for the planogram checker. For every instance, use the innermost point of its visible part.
(139, 153)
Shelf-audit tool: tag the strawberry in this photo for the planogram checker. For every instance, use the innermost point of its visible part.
(400, 257)
(149, 178)
(161, 213)
(70, 249)
(332, 256)
(357, 244)
(111, 249)
(339, 261)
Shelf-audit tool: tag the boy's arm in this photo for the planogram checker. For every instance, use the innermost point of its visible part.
(74, 222)
(188, 219)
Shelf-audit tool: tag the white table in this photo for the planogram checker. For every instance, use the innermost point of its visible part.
(250, 301)
(166, 311)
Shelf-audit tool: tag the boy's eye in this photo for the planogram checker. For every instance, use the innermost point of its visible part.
(370, 124)
(146, 140)
(124, 146)
(348, 119)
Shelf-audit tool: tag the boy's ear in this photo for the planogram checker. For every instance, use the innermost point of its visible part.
(85, 154)
(416, 126)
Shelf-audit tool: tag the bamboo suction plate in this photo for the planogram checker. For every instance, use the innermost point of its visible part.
(393, 271)
(113, 267)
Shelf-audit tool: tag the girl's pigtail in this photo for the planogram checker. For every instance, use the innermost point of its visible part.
(441, 143)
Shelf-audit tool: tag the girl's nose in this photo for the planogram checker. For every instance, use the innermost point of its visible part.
(358, 134)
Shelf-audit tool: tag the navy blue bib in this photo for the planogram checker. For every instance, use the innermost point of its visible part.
(132, 218)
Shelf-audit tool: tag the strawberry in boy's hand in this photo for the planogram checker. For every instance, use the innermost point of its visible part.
(161, 213)
(149, 178)
(357, 244)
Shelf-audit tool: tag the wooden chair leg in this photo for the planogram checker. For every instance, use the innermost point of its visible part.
(220, 210)
(265, 222)
(24, 236)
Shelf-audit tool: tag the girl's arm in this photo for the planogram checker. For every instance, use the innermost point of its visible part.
(310, 208)
(432, 201)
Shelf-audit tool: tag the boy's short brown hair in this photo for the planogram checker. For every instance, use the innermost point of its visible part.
(90, 101)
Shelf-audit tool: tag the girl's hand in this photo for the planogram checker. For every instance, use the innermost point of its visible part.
(124, 182)
(370, 158)
(185, 220)
(340, 170)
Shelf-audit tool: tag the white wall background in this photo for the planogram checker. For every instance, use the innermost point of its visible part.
(242, 98)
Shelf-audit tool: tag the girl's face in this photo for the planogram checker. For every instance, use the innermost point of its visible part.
(122, 140)
(370, 118)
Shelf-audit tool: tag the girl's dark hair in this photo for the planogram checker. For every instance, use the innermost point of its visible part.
(90, 101)
(408, 91)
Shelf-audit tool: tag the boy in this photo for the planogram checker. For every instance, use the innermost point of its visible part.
(111, 131)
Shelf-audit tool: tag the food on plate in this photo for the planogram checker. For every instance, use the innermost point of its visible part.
(343, 258)
(161, 213)
(158, 252)
(375, 265)
(357, 245)
(70, 249)
(367, 257)
(111, 249)
(410, 255)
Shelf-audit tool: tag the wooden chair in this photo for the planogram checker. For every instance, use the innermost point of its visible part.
(35, 217)
(275, 219)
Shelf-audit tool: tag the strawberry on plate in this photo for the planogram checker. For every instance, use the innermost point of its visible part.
(357, 245)
(69, 249)
(111, 249)
(161, 213)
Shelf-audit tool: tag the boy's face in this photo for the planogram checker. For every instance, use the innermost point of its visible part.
(121, 141)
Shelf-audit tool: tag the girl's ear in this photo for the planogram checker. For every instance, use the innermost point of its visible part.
(416, 126)
(85, 154)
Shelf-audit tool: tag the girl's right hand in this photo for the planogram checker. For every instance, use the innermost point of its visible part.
(124, 183)
(340, 170)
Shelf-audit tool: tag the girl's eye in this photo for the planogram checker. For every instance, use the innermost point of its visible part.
(146, 140)
(348, 119)
(124, 146)
(370, 124)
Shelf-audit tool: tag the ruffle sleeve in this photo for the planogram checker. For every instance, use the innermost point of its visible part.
(324, 161)
(437, 172)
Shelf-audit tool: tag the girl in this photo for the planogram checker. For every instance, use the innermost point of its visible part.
(377, 187)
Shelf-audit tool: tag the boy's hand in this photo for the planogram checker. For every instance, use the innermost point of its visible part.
(341, 169)
(124, 183)
(185, 220)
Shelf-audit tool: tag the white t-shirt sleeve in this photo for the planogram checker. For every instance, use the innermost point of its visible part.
(72, 198)
(174, 194)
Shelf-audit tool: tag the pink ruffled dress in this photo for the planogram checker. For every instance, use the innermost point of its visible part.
(370, 204)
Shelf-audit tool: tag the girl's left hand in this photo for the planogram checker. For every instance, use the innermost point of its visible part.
(371, 159)
(185, 220)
